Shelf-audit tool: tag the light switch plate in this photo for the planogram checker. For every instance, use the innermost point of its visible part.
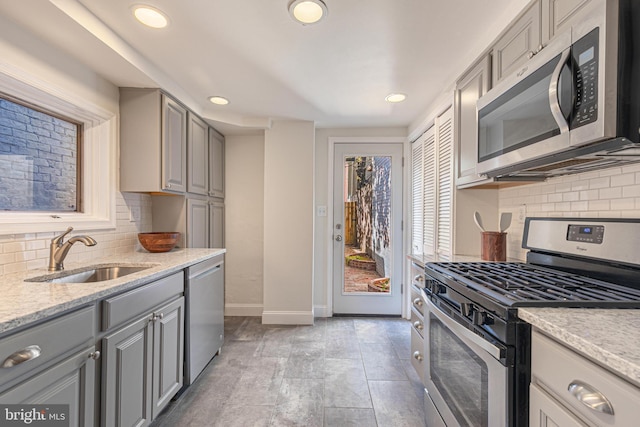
(321, 210)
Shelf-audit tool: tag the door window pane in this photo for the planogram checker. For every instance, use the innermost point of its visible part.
(39, 155)
(367, 228)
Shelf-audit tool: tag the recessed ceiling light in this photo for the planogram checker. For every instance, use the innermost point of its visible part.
(395, 97)
(150, 16)
(308, 11)
(218, 100)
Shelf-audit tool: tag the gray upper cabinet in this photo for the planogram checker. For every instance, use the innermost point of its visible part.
(512, 49)
(216, 224)
(473, 84)
(198, 156)
(216, 164)
(153, 142)
(558, 15)
(197, 223)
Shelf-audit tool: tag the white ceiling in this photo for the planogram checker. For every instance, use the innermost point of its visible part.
(335, 73)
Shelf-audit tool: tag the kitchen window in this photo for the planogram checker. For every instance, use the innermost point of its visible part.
(57, 158)
(39, 159)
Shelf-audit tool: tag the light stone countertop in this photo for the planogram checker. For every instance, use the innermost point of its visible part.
(23, 302)
(611, 338)
(421, 260)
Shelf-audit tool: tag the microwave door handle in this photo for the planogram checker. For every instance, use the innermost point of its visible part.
(554, 100)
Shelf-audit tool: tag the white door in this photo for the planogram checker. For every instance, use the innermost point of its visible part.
(367, 233)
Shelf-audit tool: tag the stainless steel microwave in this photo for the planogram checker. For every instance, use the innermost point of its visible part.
(574, 106)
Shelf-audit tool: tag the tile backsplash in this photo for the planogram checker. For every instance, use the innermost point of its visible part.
(20, 252)
(609, 193)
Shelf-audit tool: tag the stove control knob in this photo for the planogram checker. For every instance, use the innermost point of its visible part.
(480, 318)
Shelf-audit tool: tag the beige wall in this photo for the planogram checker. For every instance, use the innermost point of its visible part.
(31, 59)
(288, 223)
(244, 225)
(609, 193)
(322, 278)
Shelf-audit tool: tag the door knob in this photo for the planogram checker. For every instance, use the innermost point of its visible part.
(338, 238)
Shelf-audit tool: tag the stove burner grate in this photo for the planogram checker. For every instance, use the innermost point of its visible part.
(524, 284)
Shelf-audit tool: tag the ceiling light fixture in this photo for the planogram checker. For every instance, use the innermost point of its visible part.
(395, 97)
(308, 11)
(218, 100)
(150, 16)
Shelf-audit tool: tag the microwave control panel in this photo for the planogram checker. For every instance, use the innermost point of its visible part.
(586, 233)
(585, 62)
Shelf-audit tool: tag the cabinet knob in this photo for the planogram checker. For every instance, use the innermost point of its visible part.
(417, 356)
(156, 316)
(168, 185)
(28, 353)
(418, 302)
(418, 325)
(95, 355)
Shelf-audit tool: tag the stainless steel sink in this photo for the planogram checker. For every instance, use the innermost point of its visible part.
(97, 273)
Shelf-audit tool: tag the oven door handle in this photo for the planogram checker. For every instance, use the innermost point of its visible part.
(460, 331)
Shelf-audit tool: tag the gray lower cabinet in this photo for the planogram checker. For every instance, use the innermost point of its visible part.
(70, 382)
(142, 366)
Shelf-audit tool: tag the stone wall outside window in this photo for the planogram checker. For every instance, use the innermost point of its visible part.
(38, 160)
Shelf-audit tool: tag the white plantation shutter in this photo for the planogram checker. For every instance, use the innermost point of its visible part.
(429, 187)
(416, 197)
(444, 139)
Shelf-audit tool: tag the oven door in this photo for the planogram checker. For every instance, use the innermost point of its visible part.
(464, 378)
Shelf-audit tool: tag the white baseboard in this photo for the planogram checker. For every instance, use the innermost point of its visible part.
(322, 311)
(231, 309)
(287, 317)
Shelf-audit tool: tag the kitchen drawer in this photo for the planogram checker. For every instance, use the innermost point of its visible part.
(127, 306)
(417, 275)
(416, 300)
(417, 322)
(554, 367)
(54, 338)
(417, 353)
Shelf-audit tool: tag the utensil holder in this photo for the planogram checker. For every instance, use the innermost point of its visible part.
(494, 246)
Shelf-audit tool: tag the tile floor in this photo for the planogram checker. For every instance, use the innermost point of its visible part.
(339, 372)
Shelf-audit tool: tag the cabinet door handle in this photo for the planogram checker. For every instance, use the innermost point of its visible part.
(417, 302)
(418, 325)
(590, 397)
(28, 353)
(94, 355)
(417, 356)
(419, 278)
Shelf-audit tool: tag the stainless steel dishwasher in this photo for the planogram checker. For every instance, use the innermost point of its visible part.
(204, 315)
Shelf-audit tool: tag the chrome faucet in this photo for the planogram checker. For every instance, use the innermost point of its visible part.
(58, 250)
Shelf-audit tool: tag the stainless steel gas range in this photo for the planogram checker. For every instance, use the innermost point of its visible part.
(477, 350)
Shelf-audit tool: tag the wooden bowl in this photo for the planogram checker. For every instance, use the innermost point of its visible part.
(158, 241)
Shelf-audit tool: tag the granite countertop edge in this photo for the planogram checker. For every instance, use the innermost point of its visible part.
(24, 302)
(600, 334)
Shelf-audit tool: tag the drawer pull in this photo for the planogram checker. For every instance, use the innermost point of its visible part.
(417, 356)
(21, 356)
(590, 397)
(418, 325)
(417, 302)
